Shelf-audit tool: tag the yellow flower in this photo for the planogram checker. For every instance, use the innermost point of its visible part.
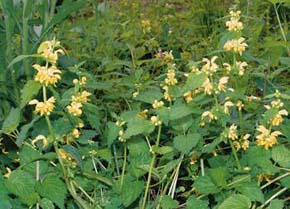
(227, 104)
(234, 25)
(156, 121)
(143, 114)
(40, 138)
(208, 87)
(47, 75)
(44, 108)
(47, 50)
(81, 97)
(6, 175)
(146, 25)
(246, 142)
(209, 115)
(228, 67)
(135, 94)
(76, 133)
(75, 108)
(171, 80)
(236, 45)
(188, 96)
(157, 104)
(240, 105)
(120, 123)
(222, 82)
(278, 119)
(166, 94)
(241, 67)
(166, 57)
(266, 138)
(233, 132)
(210, 66)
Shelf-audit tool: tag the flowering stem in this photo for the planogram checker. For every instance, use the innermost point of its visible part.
(151, 169)
(241, 119)
(235, 155)
(124, 163)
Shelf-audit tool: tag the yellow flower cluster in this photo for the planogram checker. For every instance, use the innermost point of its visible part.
(222, 82)
(171, 80)
(143, 114)
(240, 66)
(50, 50)
(234, 23)
(227, 104)
(232, 132)
(277, 119)
(166, 94)
(188, 96)
(43, 108)
(207, 115)
(236, 45)
(166, 56)
(157, 104)
(266, 138)
(210, 66)
(146, 26)
(156, 121)
(47, 75)
(244, 143)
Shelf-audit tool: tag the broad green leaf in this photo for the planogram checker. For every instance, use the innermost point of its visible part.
(219, 176)
(251, 190)
(54, 189)
(179, 110)
(281, 155)
(24, 130)
(286, 182)
(28, 154)
(205, 185)
(12, 121)
(112, 132)
(236, 201)
(128, 196)
(149, 95)
(29, 90)
(276, 204)
(46, 204)
(30, 199)
(193, 203)
(186, 143)
(86, 135)
(19, 58)
(194, 81)
(168, 203)
(138, 126)
(162, 150)
(20, 183)
(93, 116)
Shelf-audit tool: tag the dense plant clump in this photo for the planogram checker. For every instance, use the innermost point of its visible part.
(139, 105)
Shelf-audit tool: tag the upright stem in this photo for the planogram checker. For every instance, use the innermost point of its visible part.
(124, 163)
(151, 170)
(235, 155)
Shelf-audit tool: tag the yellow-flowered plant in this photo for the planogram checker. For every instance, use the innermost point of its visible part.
(266, 137)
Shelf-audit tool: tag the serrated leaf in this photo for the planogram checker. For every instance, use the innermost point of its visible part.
(128, 196)
(251, 190)
(86, 135)
(236, 201)
(138, 126)
(30, 89)
(162, 150)
(24, 130)
(185, 144)
(281, 155)
(219, 176)
(54, 189)
(149, 95)
(46, 204)
(205, 185)
(178, 111)
(12, 121)
(276, 204)
(168, 203)
(20, 183)
(194, 81)
(112, 133)
(193, 203)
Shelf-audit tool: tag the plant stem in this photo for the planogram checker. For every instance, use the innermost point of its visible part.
(274, 196)
(235, 155)
(151, 169)
(124, 163)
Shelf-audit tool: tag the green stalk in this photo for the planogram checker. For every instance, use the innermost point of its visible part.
(124, 164)
(151, 169)
(235, 155)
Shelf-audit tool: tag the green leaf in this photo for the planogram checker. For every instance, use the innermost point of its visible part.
(29, 90)
(28, 154)
(54, 189)
(219, 176)
(24, 130)
(251, 190)
(46, 204)
(286, 182)
(19, 58)
(112, 133)
(149, 95)
(194, 81)
(93, 116)
(131, 190)
(179, 111)
(30, 199)
(281, 155)
(20, 183)
(205, 185)
(236, 201)
(193, 203)
(185, 144)
(168, 203)
(138, 126)
(162, 150)
(86, 135)
(12, 121)
(276, 204)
